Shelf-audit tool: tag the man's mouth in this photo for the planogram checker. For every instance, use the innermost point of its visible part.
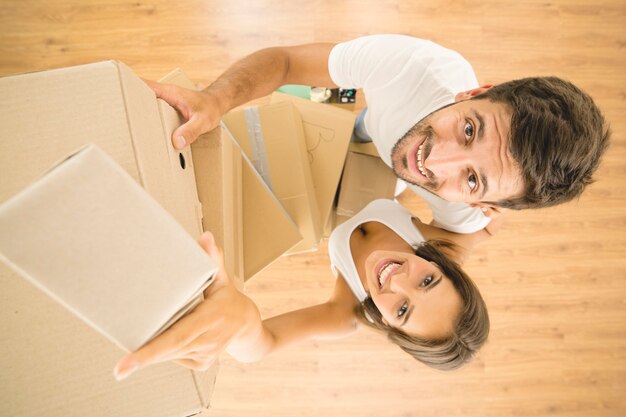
(385, 270)
(420, 160)
(416, 160)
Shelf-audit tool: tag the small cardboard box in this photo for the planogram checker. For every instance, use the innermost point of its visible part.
(327, 130)
(51, 362)
(272, 137)
(365, 178)
(120, 279)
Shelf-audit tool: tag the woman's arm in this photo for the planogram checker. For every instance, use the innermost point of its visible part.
(229, 320)
(330, 320)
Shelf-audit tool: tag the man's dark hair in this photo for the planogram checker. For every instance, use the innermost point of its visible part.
(557, 138)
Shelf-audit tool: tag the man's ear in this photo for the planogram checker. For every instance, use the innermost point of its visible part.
(485, 207)
(466, 95)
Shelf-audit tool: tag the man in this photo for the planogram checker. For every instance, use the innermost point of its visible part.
(467, 149)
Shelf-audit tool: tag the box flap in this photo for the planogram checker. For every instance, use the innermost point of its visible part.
(328, 131)
(272, 137)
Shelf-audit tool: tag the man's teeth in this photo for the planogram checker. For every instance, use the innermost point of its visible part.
(419, 160)
(386, 271)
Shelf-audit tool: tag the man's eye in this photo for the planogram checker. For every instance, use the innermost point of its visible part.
(471, 181)
(427, 281)
(402, 310)
(469, 131)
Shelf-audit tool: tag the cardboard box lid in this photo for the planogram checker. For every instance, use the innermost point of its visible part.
(44, 116)
(272, 137)
(90, 237)
(328, 131)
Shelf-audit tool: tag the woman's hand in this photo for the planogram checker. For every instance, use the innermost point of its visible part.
(196, 340)
(201, 110)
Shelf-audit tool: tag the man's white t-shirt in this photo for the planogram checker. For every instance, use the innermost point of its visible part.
(404, 80)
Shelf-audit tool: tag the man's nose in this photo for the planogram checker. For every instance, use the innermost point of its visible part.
(447, 162)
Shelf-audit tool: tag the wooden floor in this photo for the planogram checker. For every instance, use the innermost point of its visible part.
(554, 279)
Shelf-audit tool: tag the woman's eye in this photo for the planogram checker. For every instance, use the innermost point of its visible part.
(471, 182)
(427, 281)
(469, 131)
(402, 310)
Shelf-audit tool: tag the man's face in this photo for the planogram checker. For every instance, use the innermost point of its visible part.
(461, 153)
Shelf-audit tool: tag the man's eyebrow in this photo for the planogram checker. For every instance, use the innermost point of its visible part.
(479, 136)
(485, 187)
(407, 315)
(434, 284)
(481, 122)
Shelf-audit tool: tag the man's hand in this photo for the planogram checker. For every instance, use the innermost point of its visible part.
(201, 110)
(197, 339)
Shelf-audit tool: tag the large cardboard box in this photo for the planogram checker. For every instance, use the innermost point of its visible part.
(327, 130)
(51, 363)
(272, 137)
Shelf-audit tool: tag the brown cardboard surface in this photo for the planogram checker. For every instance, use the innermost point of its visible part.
(365, 178)
(217, 167)
(44, 117)
(219, 181)
(364, 148)
(127, 257)
(327, 131)
(280, 137)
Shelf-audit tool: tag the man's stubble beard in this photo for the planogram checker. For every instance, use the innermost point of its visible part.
(399, 161)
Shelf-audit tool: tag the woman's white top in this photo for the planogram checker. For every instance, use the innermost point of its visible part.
(387, 212)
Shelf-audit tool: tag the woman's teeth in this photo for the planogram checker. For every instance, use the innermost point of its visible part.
(386, 271)
(419, 160)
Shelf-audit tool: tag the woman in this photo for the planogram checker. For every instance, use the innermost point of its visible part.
(397, 276)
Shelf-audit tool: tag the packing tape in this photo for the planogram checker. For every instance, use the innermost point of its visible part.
(255, 137)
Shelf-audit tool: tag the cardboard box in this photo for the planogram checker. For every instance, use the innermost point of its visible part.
(272, 137)
(327, 130)
(365, 178)
(51, 362)
(89, 214)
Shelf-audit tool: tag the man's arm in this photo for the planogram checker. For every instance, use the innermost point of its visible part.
(254, 76)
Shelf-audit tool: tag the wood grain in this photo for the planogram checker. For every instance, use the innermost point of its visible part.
(554, 279)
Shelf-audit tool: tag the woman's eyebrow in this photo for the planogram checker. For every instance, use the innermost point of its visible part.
(434, 284)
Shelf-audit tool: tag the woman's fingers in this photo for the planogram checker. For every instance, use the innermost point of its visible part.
(162, 348)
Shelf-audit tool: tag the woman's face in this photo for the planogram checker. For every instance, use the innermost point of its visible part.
(412, 294)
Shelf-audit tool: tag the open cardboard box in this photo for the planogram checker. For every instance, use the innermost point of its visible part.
(272, 137)
(327, 132)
